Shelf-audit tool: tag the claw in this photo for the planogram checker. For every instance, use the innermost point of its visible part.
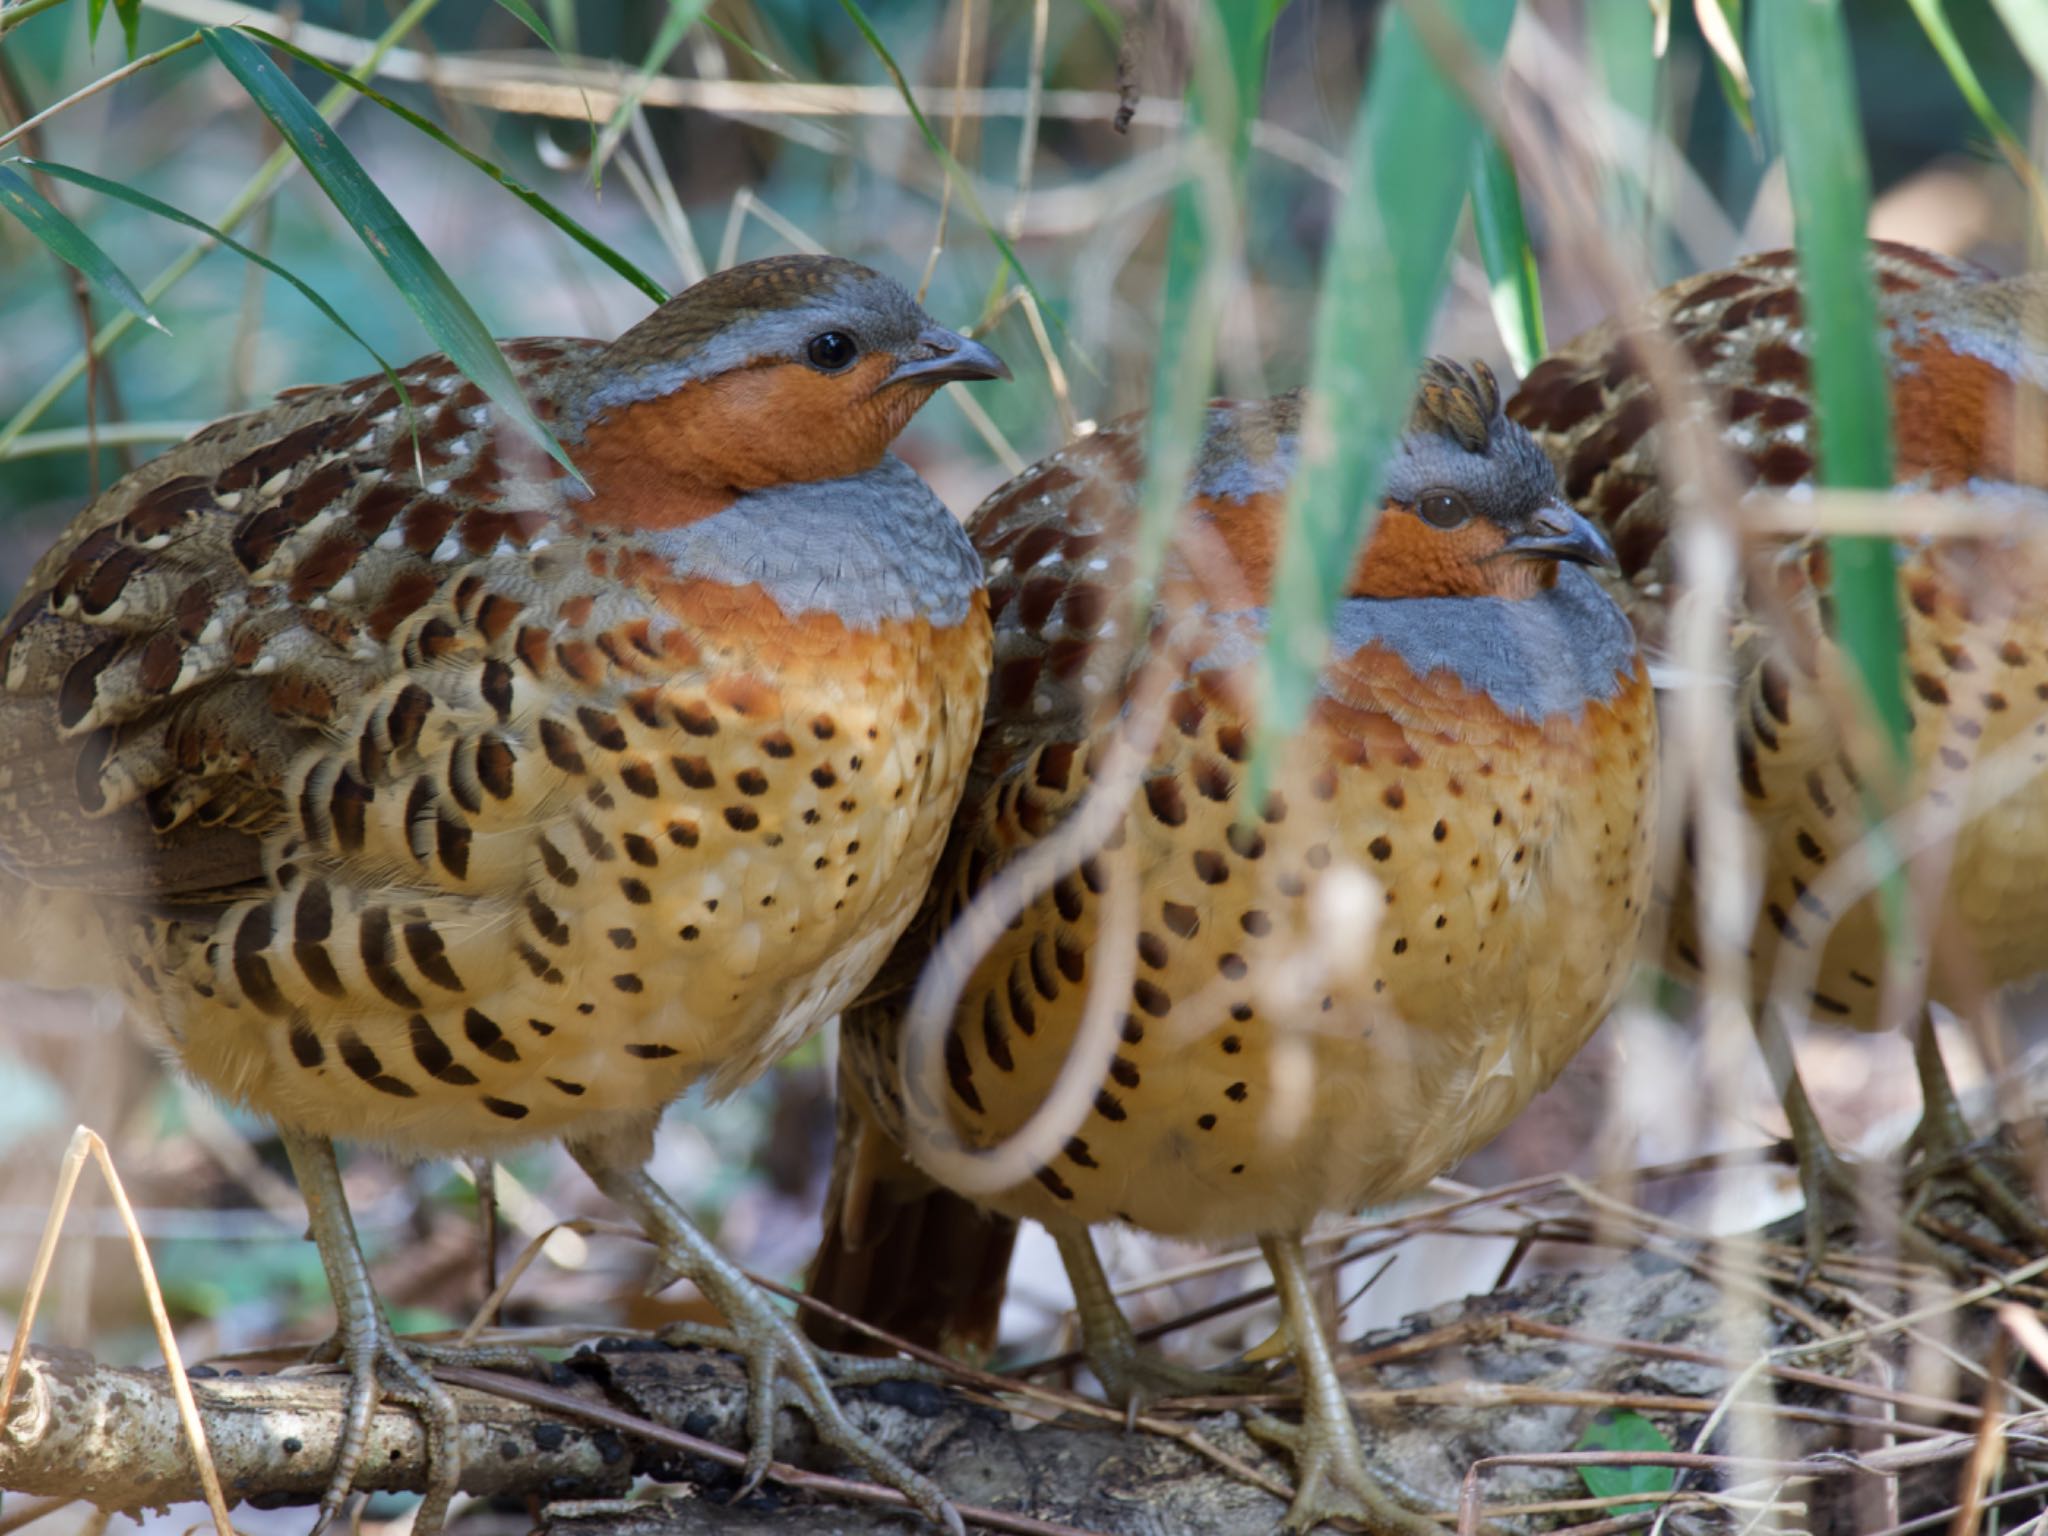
(777, 1356)
(1132, 1376)
(1952, 1161)
(1332, 1480)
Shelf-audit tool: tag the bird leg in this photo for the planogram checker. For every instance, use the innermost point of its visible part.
(1830, 1185)
(377, 1362)
(1132, 1376)
(1331, 1479)
(769, 1342)
(1952, 1160)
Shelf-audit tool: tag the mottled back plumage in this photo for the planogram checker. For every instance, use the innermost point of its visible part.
(1967, 358)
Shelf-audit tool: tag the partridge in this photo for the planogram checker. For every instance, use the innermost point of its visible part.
(1306, 1005)
(430, 797)
(1967, 358)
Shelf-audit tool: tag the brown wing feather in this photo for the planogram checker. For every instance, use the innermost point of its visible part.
(200, 626)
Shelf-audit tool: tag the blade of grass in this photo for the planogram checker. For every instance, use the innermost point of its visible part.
(1721, 24)
(337, 101)
(1813, 117)
(1382, 277)
(1810, 95)
(1204, 241)
(1512, 284)
(419, 278)
(130, 13)
(72, 245)
(162, 210)
(1934, 22)
(527, 14)
(525, 194)
(963, 184)
(675, 26)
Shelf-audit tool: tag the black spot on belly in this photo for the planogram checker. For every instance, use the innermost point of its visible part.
(362, 1061)
(432, 1053)
(306, 1047)
(486, 1036)
(1055, 1183)
(960, 1074)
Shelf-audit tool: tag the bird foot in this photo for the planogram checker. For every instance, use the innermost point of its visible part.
(1945, 1161)
(1331, 1479)
(1840, 1200)
(845, 1370)
(379, 1365)
(1134, 1377)
(785, 1369)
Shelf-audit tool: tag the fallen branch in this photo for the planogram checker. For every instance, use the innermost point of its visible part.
(1468, 1406)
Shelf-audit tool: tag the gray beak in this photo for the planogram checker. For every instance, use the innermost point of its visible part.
(1557, 532)
(942, 356)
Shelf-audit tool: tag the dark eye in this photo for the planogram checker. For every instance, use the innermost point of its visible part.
(831, 351)
(1442, 509)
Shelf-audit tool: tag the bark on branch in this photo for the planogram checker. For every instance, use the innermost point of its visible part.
(1503, 1375)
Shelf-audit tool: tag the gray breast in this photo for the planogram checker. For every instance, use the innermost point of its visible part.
(870, 549)
(1536, 657)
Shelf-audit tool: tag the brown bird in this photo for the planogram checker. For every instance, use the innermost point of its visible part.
(1305, 1006)
(1967, 356)
(430, 798)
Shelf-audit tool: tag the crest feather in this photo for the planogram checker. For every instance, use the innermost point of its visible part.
(1457, 400)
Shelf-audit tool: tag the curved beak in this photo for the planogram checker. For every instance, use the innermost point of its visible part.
(942, 356)
(1558, 532)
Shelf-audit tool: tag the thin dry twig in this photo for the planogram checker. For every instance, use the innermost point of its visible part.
(85, 1143)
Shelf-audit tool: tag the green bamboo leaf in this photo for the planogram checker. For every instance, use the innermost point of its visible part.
(527, 14)
(1385, 270)
(1623, 1429)
(129, 13)
(68, 243)
(1202, 235)
(1810, 97)
(1512, 284)
(525, 194)
(682, 15)
(963, 184)
(441, 308)
(162, 210)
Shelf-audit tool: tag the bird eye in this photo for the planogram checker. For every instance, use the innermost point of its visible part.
(1442, 509)
(832, 351)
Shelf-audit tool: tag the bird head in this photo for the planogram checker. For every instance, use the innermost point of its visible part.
(1471, 506)
(787, 369)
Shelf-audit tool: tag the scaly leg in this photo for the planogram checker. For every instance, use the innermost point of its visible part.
(1132, 1376)
(1331, 1479)
(1828, 1182)
(1950, 1156)
(768, 1341)
(363, 1341)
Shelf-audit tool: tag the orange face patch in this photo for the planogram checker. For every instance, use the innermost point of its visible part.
(667, 462)
(1406, 557)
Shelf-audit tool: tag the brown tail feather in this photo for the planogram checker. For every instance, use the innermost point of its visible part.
(902, 1253)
